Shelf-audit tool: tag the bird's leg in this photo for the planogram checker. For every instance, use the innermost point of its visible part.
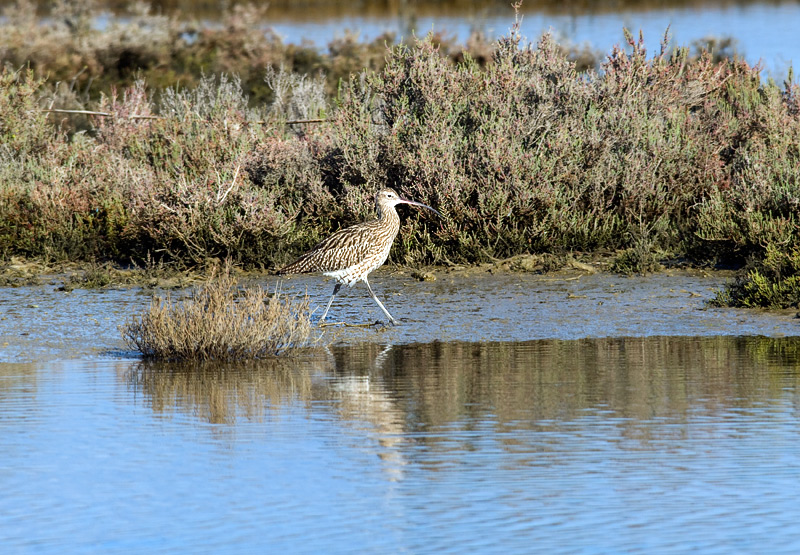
(380, 304)
(330, 302)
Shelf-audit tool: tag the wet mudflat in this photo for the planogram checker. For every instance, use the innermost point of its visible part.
(507, 412)
(41, 323)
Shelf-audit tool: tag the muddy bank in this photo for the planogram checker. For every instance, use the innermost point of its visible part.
(505, 306)
(19, 272)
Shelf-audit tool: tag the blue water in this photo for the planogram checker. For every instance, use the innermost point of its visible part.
(766, 33)
(508, 413)
(660, 444)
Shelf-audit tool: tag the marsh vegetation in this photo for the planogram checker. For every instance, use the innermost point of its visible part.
(660, 154)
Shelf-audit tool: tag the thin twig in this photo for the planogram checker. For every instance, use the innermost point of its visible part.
(93, 113)
(233, 182)
(294, 121)
(138, 116)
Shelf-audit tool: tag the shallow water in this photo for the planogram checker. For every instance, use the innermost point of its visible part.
(505, 413)
(41, 323)
(596, 445)
(764, 32)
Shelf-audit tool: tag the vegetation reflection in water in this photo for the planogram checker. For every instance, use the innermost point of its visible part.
(656, 444)
(403, 391)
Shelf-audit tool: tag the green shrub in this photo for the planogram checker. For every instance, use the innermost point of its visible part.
(56, 200)
(525, 154)
(772, 282)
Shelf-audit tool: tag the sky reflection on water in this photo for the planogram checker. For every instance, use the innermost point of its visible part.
(651, 444)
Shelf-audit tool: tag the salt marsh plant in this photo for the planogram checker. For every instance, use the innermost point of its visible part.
(525, 154)
(660, 153)
(220, 321)
(771, 282)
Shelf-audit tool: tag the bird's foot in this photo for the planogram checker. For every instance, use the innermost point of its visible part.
(376, 324)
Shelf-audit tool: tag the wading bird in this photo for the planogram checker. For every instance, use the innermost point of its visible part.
(350, 254)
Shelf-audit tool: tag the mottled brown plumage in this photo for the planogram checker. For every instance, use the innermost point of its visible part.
(350, 254)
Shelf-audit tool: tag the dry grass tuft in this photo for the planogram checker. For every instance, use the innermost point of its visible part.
(220, 321)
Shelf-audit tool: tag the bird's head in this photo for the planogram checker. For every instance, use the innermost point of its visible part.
(388, 198)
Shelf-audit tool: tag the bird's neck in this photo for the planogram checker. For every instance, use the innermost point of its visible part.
(388, 215)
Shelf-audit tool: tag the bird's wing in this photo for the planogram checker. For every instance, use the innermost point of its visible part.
(340, 250)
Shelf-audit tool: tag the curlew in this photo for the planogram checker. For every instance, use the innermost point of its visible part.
(350, 254)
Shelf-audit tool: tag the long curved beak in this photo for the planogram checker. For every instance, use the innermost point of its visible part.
(415, 203)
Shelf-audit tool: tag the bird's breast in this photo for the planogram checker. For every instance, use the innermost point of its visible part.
(379, 246)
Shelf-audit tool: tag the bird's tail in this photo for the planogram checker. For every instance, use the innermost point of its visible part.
(300, 266)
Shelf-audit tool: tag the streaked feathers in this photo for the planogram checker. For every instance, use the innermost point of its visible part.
(347, 247)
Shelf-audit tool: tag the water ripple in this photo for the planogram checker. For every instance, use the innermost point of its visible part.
(608, 445)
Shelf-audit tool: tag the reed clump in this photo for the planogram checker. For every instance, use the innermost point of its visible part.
(220, 321)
